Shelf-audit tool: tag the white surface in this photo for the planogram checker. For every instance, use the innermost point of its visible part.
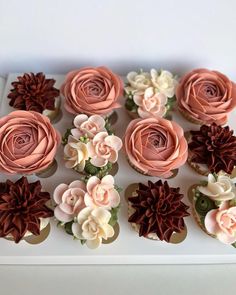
(122, 34)
(2, 86)
(129, 248)
(118, 280)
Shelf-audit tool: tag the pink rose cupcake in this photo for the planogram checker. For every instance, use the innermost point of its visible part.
(214, 207)
(206, 96)
(90, 147)
(88, 210)
(28, 143)
(155, 146)
(92, 91)
(150, 94)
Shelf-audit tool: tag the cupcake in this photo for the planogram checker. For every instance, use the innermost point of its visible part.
(150, 94)
(28, 143)
(205, 96)
(156, 211)
(92, 91)
(33, 92)
(90, 147)
(155, 146)
(212, 149)
(214, 207)
(23, 209)
(88, 210)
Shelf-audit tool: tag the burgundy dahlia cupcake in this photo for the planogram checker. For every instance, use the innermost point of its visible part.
(23, 209)
(35, 92)
(156, 210)
(212, 149)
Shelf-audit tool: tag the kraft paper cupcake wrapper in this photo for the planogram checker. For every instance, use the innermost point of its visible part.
(176, 238)
(35, 240)
(175, 171)
(190, 119)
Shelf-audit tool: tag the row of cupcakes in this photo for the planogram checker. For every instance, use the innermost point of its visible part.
(91, 142)
(155, 210)
(203, 96)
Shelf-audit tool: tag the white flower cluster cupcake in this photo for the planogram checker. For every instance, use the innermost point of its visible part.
(214, 204)
(150, 94)
(90, 147)
(88, 209)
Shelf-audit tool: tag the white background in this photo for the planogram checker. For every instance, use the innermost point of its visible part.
(55, 36)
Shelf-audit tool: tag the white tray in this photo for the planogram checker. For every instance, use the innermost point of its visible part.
(60, 248)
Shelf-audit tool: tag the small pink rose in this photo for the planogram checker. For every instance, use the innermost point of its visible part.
(222, 224)
(92, 91)
(69, 200)
(88, 126)
(28, 142)
(155, 146)
(206, 96)
(101, 193)
(150, 103)
(103, 148)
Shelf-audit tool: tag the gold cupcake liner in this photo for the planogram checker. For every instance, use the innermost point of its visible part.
(49, 171)
(33, 239)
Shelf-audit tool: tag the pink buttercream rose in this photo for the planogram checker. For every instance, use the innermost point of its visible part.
(92, 91)
(69, 200)
(222, 224)
(206, 96)
(88, 126)
(155, 146)
(28, 142)
(101, 193)
(103, 148)
(150, 103)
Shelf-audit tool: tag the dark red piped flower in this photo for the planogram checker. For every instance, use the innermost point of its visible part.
(214, 146)
(33, 92)
(158, 209)
(22, 204)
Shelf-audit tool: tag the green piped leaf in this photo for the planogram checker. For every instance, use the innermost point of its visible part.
(68, 227)
(114, 216)
(130, 105)
(65, 136)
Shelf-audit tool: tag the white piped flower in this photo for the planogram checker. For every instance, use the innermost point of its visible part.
(165, 82)
(139, 81)
(75, 154)
(92, 226)
(219, 189)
